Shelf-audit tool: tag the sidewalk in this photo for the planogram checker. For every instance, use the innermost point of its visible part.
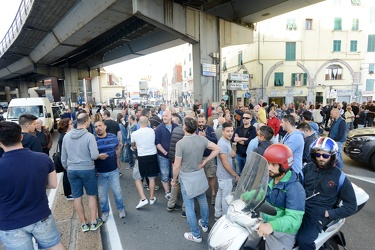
(68, 223)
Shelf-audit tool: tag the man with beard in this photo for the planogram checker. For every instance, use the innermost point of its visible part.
(286, 194)
(108, 173)
(324, 185)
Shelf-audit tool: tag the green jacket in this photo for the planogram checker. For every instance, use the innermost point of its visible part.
(288, 197)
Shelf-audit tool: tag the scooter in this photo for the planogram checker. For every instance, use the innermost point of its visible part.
(238, 228)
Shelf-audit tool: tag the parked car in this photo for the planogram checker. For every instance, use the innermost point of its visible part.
(360, 145)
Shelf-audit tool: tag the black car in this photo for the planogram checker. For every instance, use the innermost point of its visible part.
(360, 145)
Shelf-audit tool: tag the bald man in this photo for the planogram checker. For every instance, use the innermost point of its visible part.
(146, 165)
(337, 132)
(163, 134)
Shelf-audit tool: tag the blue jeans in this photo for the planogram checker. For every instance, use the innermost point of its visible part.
(190, 212)
(44, 231)
(349, 125)
(111, 179)
(165, 168)
(240, 163)
(340, 162)
(124, 153)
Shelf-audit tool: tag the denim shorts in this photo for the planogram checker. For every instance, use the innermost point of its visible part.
(44, 231)
(165, 168)
(83, 178)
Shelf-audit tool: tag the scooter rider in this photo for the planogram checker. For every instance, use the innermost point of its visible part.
(324, 184)
(286, 194)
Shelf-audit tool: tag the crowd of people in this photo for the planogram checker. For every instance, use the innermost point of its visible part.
(193, 151)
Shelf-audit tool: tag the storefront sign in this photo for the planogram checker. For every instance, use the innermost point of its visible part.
(286, 92)
(346, 92)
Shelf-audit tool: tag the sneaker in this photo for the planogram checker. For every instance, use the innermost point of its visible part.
(213, 197)
(183, 214)
(85, 228)
(69, 198)
(145, 185)
(168, 195)
(121, 174)
(191, 237)
(121, 214)
(95, 226)
(152, 201)
(174, 208)
(204, 229)
(105, 216)
(156, 188)
(142, 203)
(129, 167)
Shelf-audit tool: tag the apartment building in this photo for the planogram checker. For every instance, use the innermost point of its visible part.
(321, 53)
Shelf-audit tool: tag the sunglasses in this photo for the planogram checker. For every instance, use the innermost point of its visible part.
(325, 156)
(247, 118)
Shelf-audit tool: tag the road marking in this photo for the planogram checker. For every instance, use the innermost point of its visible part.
(112, 232)
(52, 192)
(362, 178)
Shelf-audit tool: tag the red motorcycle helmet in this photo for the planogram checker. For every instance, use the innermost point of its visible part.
(280, 154)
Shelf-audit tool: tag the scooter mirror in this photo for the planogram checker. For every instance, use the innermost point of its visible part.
(267, 209)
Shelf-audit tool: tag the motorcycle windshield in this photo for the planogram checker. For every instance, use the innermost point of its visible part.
(253, 183)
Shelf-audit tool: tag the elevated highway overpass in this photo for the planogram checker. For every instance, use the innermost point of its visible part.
(72, 39)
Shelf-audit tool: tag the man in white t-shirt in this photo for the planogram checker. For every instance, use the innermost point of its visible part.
(225, 172)
(146, 165)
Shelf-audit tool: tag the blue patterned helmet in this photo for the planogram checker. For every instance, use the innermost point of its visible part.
(325, 144)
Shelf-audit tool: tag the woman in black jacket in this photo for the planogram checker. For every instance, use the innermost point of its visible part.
(64, 126)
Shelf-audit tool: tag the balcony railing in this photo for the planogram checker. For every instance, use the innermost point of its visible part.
(16, 27)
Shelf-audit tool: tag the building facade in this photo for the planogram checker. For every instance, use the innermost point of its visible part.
(321, 53)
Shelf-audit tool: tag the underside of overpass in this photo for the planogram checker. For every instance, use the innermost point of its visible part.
(87, 35)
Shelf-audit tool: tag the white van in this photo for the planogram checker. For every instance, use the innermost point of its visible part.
(38, 106)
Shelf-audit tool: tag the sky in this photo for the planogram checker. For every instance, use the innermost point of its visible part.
(8, 12)
(155, 65)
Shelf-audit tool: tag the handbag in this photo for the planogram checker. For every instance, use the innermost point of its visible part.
(57, 160)
(195, 183)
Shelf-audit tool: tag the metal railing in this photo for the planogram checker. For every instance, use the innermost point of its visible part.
(16, 27)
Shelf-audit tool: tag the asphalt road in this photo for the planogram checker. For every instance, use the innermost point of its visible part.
(153, 227)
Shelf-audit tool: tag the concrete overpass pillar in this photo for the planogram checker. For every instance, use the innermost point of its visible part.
(23, 88)
(71, 86)
(205, 86)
